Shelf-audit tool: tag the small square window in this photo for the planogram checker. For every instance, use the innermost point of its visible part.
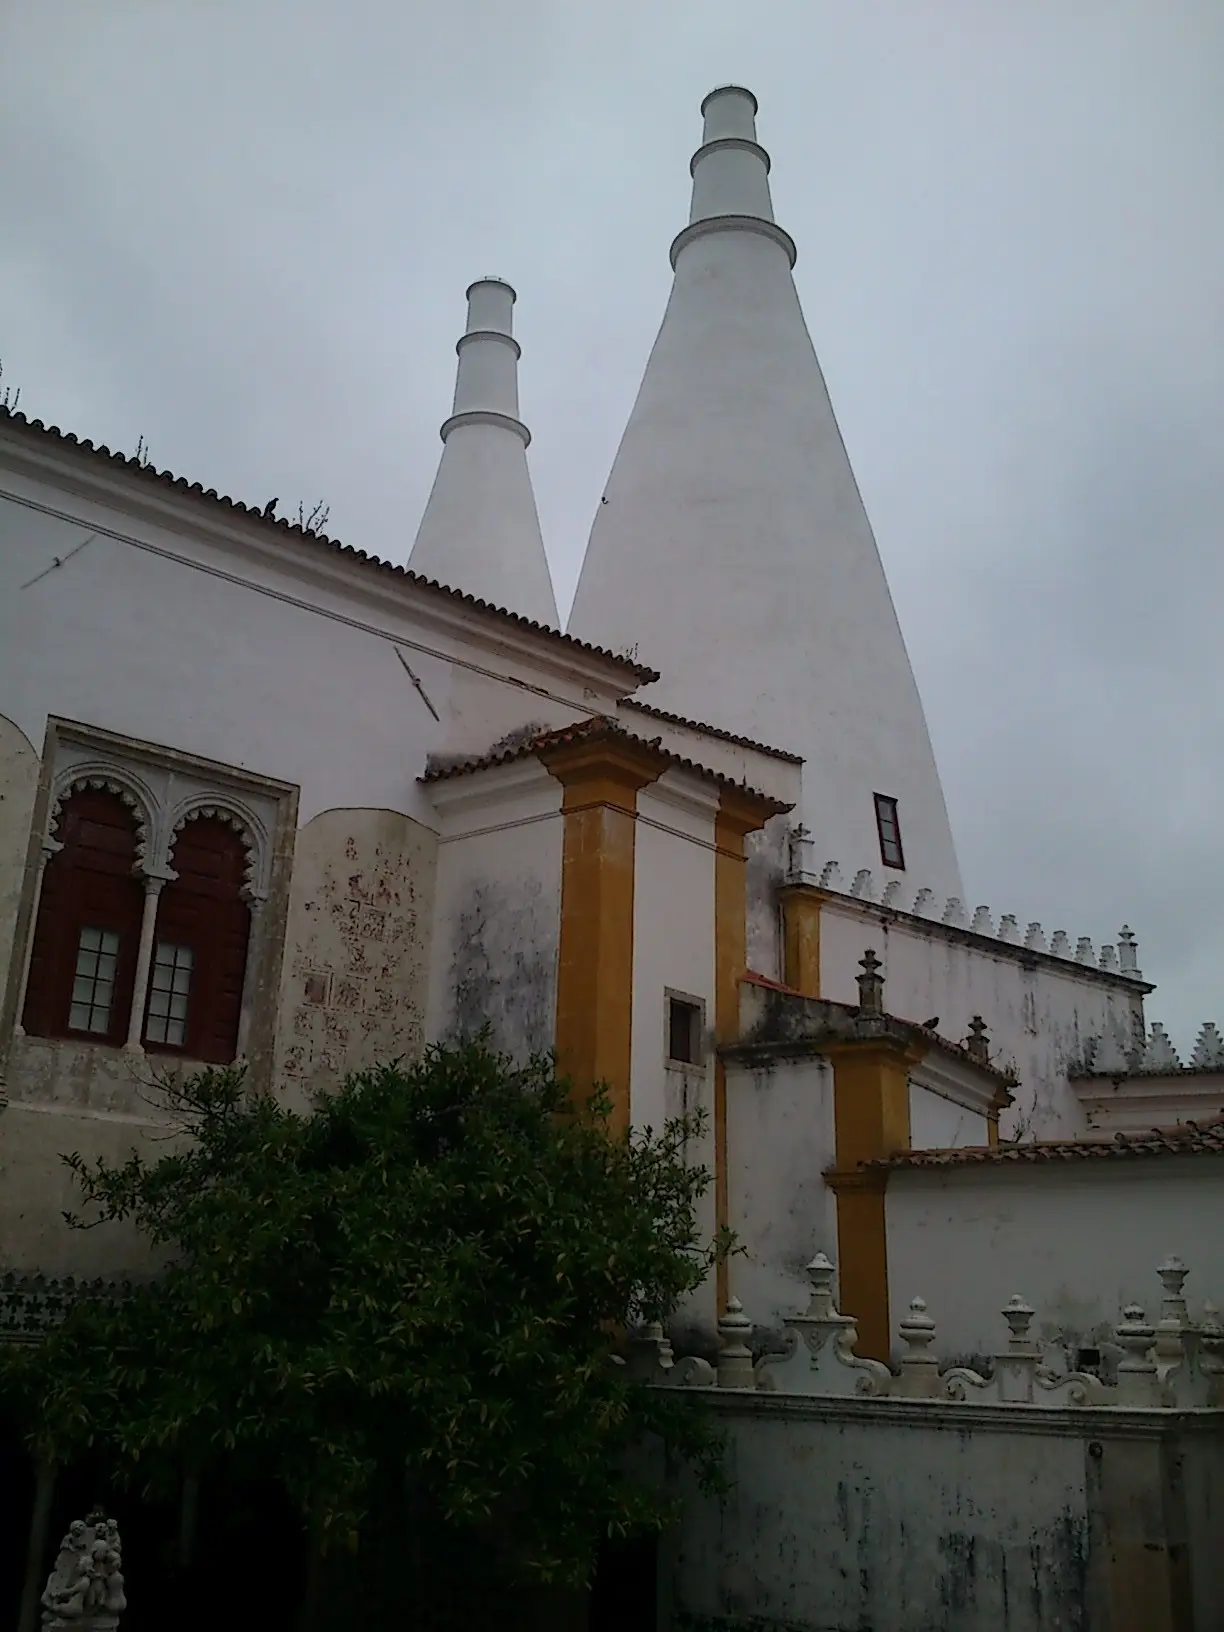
(888, 827)
(683, 1031)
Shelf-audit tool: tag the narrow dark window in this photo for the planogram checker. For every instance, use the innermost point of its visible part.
(83, 960)
(889, 828)
(683, 1031)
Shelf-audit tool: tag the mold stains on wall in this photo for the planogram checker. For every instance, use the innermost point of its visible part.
(503, 965)
(766, 873)
(356, 955)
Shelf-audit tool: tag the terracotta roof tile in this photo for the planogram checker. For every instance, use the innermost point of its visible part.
(593, 729)
(1186, 1139)
(711, 731)
(165, 478)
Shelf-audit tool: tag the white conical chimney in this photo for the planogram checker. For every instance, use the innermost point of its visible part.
(481, 531)
(731, 546)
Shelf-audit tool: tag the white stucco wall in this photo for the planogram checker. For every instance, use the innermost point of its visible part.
(937, 1123)
(911, 1517)
(186, 628)
(497, 907)
(1039, 1012)
(1078, 1240)
(673, 929)
(780, 1139)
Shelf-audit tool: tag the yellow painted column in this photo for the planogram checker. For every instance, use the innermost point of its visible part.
(872, 1120)
(801, 906)
(601, 779)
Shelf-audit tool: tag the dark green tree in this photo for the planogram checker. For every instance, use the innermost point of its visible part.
(427, 1273)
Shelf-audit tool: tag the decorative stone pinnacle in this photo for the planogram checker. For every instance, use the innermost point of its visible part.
(978, 1043)
(870, 984)
(1019, 1317)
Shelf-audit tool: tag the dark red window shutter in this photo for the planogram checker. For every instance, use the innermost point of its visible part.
(90, 883)
(203, 910)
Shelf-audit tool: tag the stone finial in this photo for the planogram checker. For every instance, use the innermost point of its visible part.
(924, 904)
(1009, 929)
(919, 1367)
(954, 913)
(1159, 1055)
(820, 1274)
(651, 1356)
(978, 1042)
(981, 924)
(1083, 950)
(1034, 938)
(1128, 952)
(870, 984)
(1172, 1275)
(1016, 1368)
(830, 877)
(1208, 1050)
(1019, 1317)
(1060, 944)
(1109, 959)
(863, 888)
(1137, 1367)
(734, 1356)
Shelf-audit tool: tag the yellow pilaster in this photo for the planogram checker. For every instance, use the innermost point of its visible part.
(601, 780)
(801, 906)
(872, 1120)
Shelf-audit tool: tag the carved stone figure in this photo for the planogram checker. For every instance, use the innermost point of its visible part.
(84, 1592)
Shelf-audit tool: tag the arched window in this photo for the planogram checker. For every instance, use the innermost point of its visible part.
(83, 960)
(200, 946)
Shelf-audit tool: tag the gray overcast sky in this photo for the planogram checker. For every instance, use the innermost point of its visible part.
(243, 229)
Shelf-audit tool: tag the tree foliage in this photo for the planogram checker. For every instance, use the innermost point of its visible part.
(428, 1271)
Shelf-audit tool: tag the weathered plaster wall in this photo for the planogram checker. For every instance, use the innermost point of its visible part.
(1039, 1012)
(356, 963)
(767, 855)
(780, 1139)
(849, 1515)
(19, 765)
(498, 908)
(64, 1097)
(1078, 1240)
(673, 927)
(936, 1123)
(674, 951)
(839, 1522)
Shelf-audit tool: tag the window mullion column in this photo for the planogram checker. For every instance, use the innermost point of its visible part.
(153, 882)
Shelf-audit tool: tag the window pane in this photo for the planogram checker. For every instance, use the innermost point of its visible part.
(93, 987)
(682, 1021)
(169, 990)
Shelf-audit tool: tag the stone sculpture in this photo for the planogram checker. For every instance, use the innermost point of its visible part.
(84, 1592)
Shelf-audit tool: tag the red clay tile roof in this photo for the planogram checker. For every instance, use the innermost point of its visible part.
(593, 729)
(165, 478)
(711, 731)
(1186, 1139)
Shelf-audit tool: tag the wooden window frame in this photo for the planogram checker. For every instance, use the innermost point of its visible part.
(887, 817)
(673, 1002)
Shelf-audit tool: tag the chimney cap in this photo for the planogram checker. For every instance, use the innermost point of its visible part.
(501, 282)
(738, 90)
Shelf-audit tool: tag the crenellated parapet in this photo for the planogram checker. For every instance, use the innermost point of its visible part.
(1119, 958)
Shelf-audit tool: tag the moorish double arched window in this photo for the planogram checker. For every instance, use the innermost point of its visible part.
(129, 951)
